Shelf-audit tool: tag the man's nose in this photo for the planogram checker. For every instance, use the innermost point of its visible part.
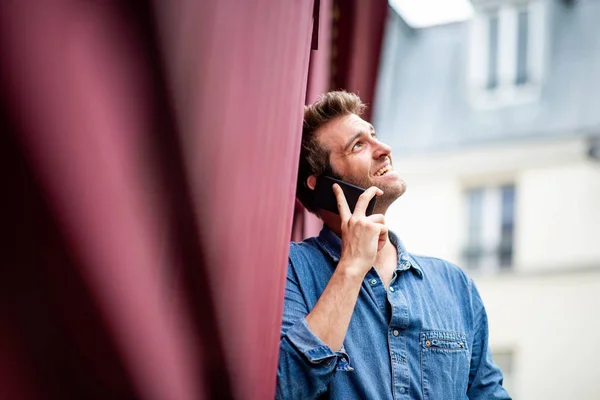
(381, 150)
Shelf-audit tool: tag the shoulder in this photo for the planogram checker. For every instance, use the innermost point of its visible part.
(444, 271)
(306, 255)
(450, 283)
(304, 250)
(309, 269)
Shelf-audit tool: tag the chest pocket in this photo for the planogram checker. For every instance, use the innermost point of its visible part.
(445, 365)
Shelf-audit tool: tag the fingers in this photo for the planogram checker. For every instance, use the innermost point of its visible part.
(379, 221)
(383, 236)
(342, 204)
(365, 198)
(377, 218)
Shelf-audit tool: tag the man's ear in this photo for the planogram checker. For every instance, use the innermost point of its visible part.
(311, 181)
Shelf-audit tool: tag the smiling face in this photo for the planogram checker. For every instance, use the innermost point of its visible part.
(358, 157)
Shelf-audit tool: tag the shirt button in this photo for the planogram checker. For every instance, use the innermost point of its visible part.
(391, 289)
(373, 281)
(402, 390)
(396, 333)
(403, 257)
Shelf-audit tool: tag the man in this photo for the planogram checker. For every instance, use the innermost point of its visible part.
(364, 319)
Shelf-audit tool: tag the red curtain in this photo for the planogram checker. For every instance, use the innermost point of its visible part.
(149, 157)
(357, 35)
(350, 39)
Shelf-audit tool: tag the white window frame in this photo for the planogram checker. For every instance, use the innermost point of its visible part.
(506, 93)
(491, 228)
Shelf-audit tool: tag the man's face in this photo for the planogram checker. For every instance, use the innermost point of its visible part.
(358, 157)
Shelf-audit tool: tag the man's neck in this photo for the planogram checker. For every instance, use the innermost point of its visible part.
(334, 222)
(387, 258)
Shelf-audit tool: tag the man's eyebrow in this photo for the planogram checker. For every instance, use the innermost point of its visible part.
(353, 138)
(357, 135)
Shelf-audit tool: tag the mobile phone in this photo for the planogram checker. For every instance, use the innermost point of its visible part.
(326, 200)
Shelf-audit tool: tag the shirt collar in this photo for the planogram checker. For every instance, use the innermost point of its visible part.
(332, 245)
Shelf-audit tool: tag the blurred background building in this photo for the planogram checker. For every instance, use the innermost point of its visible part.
(495, 125)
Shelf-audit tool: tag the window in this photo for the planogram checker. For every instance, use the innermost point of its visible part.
(473, 252)
(505, 251)
(490, 228)
(492, 73)
(522, 43)
(506, 53)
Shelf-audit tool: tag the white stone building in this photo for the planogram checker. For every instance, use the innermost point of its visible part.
(495, 126)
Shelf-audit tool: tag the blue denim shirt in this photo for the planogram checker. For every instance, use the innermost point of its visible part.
(425, 337)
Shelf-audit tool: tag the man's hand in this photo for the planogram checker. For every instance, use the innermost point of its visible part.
(362, 236)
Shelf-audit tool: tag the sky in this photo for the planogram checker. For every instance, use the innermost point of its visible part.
(424, 13)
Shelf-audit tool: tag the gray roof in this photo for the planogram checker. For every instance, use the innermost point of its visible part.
(421, 102)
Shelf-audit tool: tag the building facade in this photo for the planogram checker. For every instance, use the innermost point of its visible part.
(495, 126)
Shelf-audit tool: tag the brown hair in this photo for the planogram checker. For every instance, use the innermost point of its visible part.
(314, 159)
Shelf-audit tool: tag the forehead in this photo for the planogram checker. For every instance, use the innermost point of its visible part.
(335, 134)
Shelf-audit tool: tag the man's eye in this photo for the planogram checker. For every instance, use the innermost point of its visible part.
(374, 135)
(356, 146)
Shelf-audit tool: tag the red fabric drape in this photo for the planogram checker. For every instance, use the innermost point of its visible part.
(358, 35)
(318, 83)
(350, 39)
(149, 163)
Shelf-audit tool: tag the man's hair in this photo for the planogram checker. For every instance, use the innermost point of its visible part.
(314, 159)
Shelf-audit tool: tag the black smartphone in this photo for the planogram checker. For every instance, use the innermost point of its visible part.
(325, 197)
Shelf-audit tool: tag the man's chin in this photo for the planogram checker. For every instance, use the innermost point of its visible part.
(393, 189)
(393, 192)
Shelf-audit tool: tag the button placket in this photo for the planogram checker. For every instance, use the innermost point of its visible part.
(373, 284)
(397, 340)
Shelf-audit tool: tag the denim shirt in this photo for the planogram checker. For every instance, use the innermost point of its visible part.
(425, 337)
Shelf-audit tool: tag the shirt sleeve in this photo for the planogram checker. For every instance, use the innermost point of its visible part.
(306, 363)
(485, 378)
